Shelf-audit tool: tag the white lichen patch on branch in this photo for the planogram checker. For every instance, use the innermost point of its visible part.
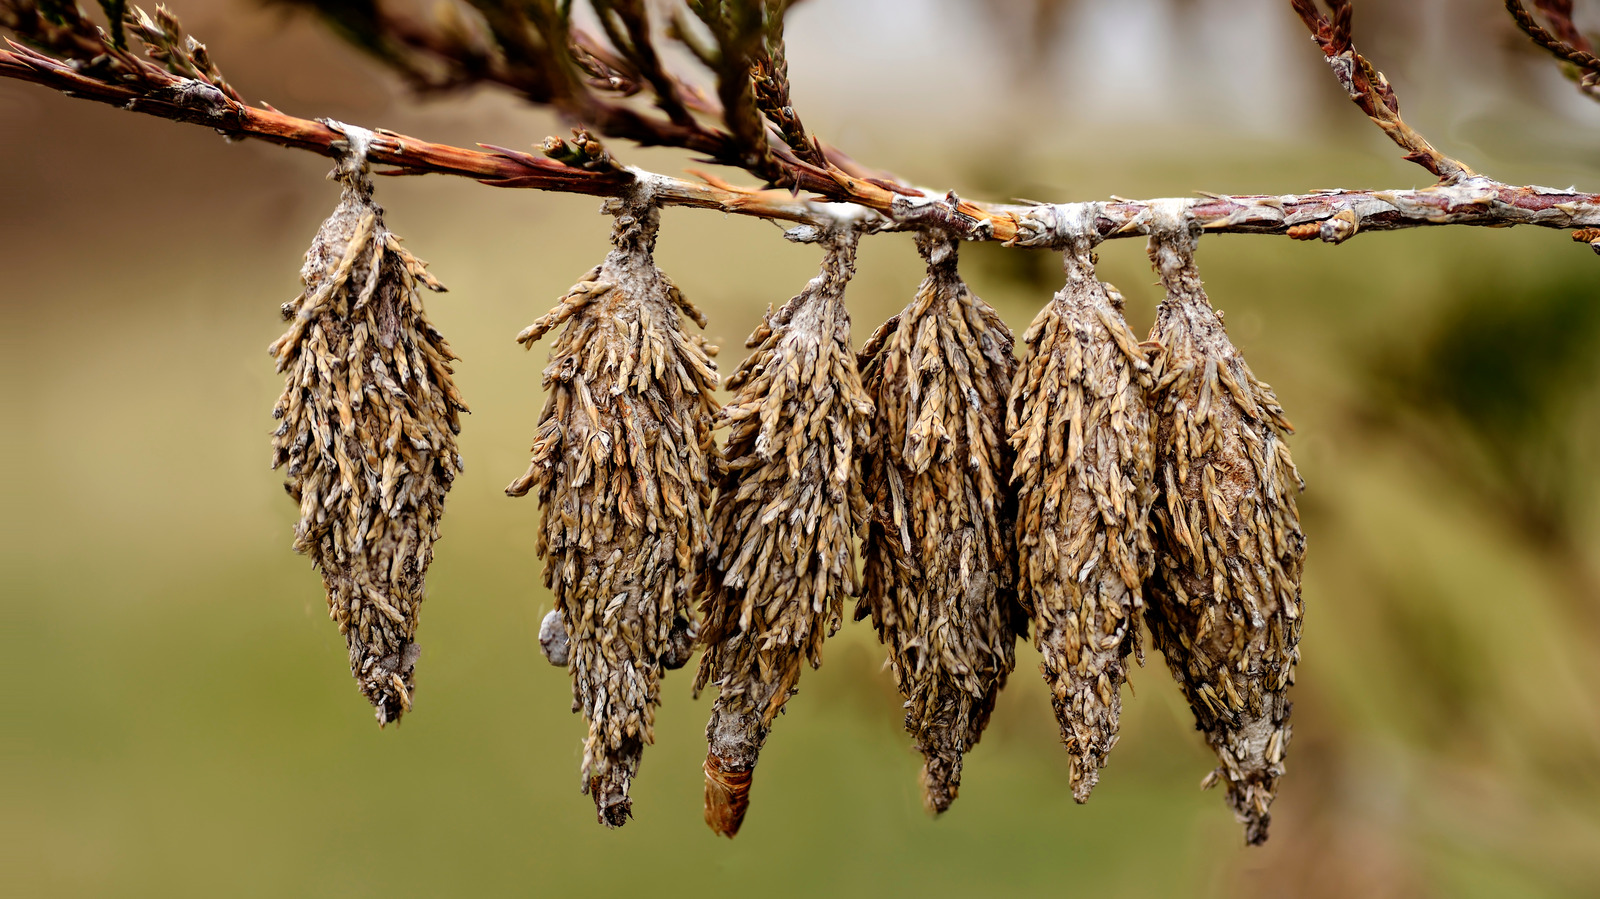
(623, 462)
(369, 417)
(939, 542)
(782, 560)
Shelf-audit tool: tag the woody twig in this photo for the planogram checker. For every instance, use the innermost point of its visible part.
(82, 62)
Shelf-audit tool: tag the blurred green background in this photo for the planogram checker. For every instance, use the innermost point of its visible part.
(179, 720)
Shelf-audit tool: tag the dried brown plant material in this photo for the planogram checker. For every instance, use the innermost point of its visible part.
(1082, 430)
(938, 545)
(781, 527)
(623, 461)
(368, 417)
(1225, 598)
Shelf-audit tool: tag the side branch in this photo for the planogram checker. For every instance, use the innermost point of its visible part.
(1562, 40)
(1368, 89)
(1332, 216)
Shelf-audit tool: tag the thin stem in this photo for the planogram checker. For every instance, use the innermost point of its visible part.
(1571, 46)
(1368, 89)
(1562, 40)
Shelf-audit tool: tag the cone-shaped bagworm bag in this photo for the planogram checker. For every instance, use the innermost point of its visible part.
(623, 461)
(938, 546)
(1225, 598)
(782, 524)
(368, 422)
(1082, 431)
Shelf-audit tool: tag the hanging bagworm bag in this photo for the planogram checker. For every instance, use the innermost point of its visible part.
(1225, 597)
(1082, 432)
(367, 433)
(781, 525)
(623, 461)
(938, 543)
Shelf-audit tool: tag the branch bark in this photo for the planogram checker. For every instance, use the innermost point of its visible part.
(1462, 198)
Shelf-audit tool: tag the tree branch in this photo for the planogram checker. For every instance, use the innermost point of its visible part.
(1333, 216)
(118, 78)
(1369, 89)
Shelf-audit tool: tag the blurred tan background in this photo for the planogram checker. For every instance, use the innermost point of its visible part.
(178, 718)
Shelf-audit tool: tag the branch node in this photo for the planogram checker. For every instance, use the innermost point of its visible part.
(1060, 225)
(198, 95)
(1172, 222)
(1339, 228)
(940, 213)
(352, 151)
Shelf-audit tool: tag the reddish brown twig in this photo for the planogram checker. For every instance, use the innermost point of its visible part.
(1369, 89)
(186, 100)
(843, 189)
(1562, 40)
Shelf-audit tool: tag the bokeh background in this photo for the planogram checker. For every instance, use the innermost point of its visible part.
(178, 719)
